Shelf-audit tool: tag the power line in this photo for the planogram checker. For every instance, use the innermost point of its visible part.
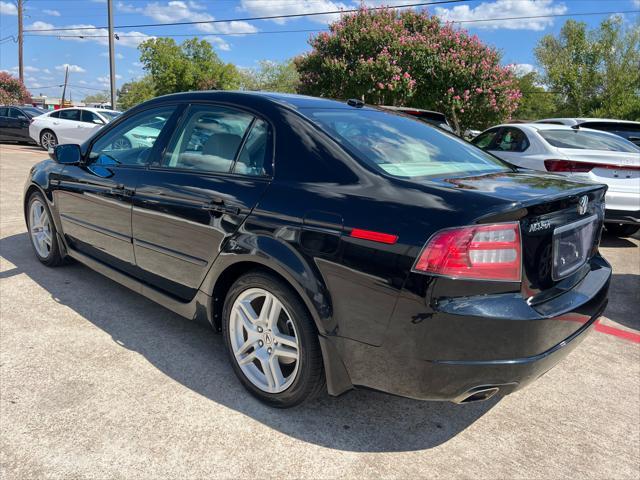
(262, 32)
(249, 19)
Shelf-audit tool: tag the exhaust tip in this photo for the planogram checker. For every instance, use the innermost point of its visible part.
(479, 394)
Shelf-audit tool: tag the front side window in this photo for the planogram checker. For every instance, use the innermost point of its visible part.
(587, 140)
(88, 116)
(511, 140)
(15, 113)
(209, 139)
(70, 115)
(484, 139)
(403, 147)
(131, 142)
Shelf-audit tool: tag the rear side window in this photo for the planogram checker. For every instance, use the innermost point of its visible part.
(70, 115)
(587, 140)
(55, 114)
(15, 113)
(3, 112)
(209, 139)
(403, 147)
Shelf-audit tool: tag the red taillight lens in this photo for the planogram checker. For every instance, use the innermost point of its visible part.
(485, 252)
(567, 166)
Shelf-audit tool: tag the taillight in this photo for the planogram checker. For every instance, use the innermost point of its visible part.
(484, 252)
(582, 167)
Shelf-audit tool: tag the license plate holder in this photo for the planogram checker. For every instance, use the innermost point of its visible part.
(571, 246)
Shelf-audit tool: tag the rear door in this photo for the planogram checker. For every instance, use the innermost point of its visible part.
(66, 126)
(214, 171)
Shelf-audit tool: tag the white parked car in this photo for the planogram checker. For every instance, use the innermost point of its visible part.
(580, 153)
(69, 125)
(624, 128)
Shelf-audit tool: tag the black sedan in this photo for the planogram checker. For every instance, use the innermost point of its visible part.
(15, 121)
(333, 244)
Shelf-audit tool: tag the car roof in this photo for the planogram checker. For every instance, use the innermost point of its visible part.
(551, 126)
(578, 120)
(290, 100)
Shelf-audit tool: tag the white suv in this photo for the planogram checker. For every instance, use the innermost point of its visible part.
(68, 125)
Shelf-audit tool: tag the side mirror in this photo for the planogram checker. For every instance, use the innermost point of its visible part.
(68, 154)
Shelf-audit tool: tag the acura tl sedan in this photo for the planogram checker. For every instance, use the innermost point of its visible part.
(334, 245)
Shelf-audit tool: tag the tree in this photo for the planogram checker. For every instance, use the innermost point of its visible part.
(410, 58)
(536, 102)
(271, 76)
(102, 97)
(193, 65)
(595, 72)
(135, 92)
(12, 90)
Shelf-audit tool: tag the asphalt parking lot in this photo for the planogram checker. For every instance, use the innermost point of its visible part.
(99, 382)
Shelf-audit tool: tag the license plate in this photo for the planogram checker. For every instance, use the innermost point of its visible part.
(571, 246)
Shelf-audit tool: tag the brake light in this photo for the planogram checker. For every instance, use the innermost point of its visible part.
(483, 252)
(582, 167)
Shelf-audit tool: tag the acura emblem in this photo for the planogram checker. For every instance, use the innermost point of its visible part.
(582, 205)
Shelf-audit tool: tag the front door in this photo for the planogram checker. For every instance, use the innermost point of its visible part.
(95, 198)
(215, 169)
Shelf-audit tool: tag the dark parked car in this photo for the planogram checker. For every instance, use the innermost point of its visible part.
(332, 243)
(14, 122)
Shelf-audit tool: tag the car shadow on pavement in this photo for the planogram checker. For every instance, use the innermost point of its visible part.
(193, 355)
(624, 286)
(612, 241)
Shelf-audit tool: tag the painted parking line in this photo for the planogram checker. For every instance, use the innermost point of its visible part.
(618, 332)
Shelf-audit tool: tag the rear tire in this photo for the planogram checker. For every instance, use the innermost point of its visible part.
(621, 229)
(42, 231)
(48, 139)
(275, 352)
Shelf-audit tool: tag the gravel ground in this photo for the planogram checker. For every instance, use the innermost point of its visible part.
(98, 382)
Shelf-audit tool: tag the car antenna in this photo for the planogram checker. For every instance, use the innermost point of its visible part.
(355, 102)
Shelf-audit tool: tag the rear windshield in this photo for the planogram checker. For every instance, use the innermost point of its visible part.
(33, 111)
(402, 146)
(585, 140)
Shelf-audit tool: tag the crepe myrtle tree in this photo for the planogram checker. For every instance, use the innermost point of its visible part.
(410, 58)
(12, 90)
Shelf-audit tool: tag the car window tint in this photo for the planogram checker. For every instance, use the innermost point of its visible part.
(130, 142)
(511, 140)
(255, 153)
(208, 140)
(401, 146)
(90, 117)
(587, 140)
(3, 112)
(55, 114)
(484, 139)
(70, 115)
(15, 113)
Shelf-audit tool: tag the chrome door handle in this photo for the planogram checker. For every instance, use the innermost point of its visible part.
(219, 206)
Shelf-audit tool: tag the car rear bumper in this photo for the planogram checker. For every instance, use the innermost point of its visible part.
(537, 338)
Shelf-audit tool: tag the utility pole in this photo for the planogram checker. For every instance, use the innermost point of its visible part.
(112, 57)
(64, 88)
(20, 40)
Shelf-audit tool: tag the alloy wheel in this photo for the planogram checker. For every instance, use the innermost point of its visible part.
(48, 140)
(40, 228)
(264, 340)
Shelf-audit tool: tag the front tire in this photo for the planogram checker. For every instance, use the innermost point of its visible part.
(621, 229)
(272, 341)
(42, 231)
(48, 139)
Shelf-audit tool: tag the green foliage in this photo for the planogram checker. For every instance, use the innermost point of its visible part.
(135, 92)
(12, 90)
(101, 97)
(410, 58)
(536, 102)
(595, 72)
(193, 65)
(272, 77)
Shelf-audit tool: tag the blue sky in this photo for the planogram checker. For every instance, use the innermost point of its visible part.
(46, 56)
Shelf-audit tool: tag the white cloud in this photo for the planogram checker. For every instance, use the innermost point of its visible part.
(260, 8)
(105, 79)
(72, 68)
(46, 70)
(523, 68)
(181, 11)
(127, 8)
(636, 3)
(29, 68)
(119, 56)
(51, 13)
(505, 8)
(79, 33)
(8, 8)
